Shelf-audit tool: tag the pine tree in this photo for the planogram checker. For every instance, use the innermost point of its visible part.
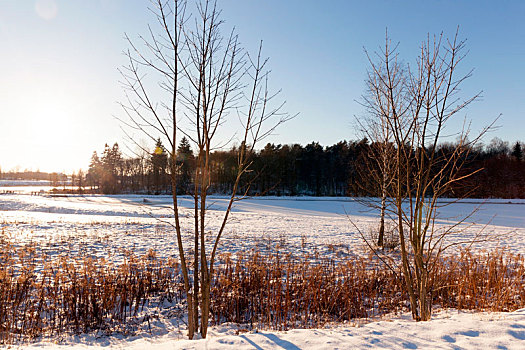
(517, 151)
(80, 179)
(185, 165)
(159, 161)
(94, 171)
(111, 161)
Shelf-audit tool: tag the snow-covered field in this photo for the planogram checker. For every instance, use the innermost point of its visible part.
(448, 329)
(108, 225)
(102, 224)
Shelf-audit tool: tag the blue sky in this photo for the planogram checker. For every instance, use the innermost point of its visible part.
(59, 60)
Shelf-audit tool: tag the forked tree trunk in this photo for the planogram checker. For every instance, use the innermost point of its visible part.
(213, 70)
(425, 304)
(407, 272)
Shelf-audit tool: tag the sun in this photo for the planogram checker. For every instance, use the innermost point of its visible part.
(46, 9)
(50, 135)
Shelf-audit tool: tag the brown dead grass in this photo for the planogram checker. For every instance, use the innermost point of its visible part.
(281, 292)
(41, 295)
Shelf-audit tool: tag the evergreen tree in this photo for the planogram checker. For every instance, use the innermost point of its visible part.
(185, 160)
(80, 180)
(94, 171)
(159, 162)
(517, 151)
(112, 166)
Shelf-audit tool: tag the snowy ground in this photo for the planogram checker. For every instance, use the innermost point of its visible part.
(102, 224)
(107, 225)
(448, 329)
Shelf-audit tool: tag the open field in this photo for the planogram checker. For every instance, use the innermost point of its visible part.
(108, 226)
(103, 224)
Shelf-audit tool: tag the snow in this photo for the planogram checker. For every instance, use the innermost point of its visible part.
(301, 224)
(105, 226)
(25, 183)
(449, 329)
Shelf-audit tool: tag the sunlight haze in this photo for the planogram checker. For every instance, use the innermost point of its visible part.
(262, 174)
(60, 85)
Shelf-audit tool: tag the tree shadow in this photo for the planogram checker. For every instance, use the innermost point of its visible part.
(280, 342)
(257, 347)
(470, 333)
(517, 334)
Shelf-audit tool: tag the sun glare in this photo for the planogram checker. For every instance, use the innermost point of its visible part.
(46, 9)
(48, 128)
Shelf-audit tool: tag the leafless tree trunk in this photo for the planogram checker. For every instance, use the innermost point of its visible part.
(415, 106)
(207, 78)
(381, 162)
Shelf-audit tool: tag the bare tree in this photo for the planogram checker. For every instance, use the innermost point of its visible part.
(206, 77)
(380, 164)
(412, 107)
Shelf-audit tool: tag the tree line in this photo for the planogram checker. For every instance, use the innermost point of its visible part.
(341, 169)
(282, 170)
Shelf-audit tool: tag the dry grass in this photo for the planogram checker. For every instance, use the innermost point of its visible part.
(44, 296)
(41, 295)
(486, 281)
(281, 292)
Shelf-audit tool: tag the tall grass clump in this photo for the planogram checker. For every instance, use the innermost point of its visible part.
(483, 281)
(42, 295)
(45, 295)
(281, 292)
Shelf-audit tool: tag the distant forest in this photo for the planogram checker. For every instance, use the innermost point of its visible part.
(285, 170)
